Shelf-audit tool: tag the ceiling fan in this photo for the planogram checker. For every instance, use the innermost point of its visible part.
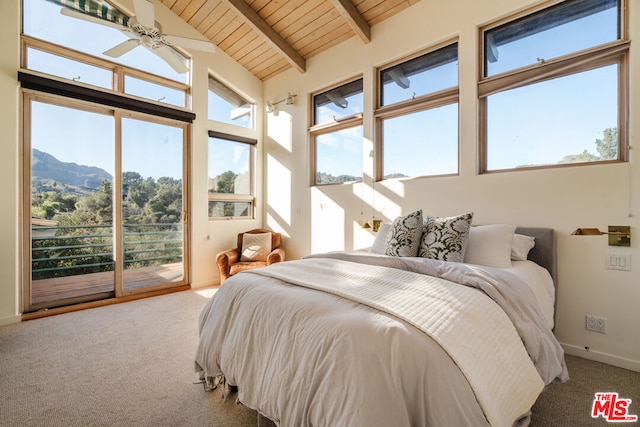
(144, 30)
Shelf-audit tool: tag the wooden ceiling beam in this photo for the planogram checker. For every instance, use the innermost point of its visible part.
(272, 37)
(355, 20)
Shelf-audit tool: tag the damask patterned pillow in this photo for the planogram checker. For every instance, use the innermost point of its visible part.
(403, 237)
(446, 238)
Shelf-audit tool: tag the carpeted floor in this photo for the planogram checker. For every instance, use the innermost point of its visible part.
(131, 364)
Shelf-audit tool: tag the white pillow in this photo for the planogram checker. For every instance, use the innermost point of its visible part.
(521, 246)
(381, 238)
(490, 245)
(255, 247)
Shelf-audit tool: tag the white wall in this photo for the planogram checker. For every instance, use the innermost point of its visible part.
(207, 237)
(324, 218)
(9, 62)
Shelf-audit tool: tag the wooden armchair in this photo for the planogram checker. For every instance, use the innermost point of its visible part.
(233, 261)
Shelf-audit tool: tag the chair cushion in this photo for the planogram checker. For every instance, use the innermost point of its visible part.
(255, 246)
(242, 266)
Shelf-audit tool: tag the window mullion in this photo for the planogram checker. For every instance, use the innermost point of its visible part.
(348, 122)
(438, 99)
(555, 68)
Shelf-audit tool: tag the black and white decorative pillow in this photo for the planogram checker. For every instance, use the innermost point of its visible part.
(403, 238)
(446, 238)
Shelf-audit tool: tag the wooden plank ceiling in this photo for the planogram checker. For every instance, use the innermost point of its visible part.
(270, 36)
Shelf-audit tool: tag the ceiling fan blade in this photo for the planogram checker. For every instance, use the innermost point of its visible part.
(79, 15)
(170, 58)
(145, 13)
(188, 43)
(122, 48)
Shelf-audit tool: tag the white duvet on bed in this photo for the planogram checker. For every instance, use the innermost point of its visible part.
(537, 278)
(505, 383)
(308, 358)
(540, 282)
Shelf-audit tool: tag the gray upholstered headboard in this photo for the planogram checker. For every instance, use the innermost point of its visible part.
(544, 252)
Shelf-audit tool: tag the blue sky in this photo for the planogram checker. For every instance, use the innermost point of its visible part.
(153, 150)
(526, 125)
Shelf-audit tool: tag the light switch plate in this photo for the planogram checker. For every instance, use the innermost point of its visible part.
(616, 261)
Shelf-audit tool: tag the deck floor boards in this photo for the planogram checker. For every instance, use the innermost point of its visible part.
(60, 288)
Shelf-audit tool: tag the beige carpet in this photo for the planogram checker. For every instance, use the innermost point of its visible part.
(132, 365)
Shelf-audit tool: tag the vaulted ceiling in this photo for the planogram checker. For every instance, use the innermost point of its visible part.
(268, 37)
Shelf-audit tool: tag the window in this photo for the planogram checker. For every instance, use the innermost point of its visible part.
(231, 180)
(42, 20)
(70, 69)
(553, 88)
(337, 134)
(418, 116)
(105, 189)
(52, 46)
(226, 106)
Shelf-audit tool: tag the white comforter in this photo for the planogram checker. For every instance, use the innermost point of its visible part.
(355, 355)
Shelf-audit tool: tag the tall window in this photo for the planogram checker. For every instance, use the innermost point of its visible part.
(105, 196)
(227, 106)
(418, 116)
(553, 89)
(337, 134)
(231, 176)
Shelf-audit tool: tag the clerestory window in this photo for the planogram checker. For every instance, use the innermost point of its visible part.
(81, 42)
(228, 106)
(553, 88)
(417, 115)
(337, 134)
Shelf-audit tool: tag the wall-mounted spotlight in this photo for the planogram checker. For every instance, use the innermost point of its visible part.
(289, 100)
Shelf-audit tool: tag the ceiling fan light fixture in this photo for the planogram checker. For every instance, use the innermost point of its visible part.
(144, 30)
(147, 41)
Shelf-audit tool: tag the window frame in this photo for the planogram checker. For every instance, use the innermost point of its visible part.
(228, 197)
(246, 99)
(118, 71)
(119, 17)
(612, 53)
(335, 125)
(417, 104)
(52, 89)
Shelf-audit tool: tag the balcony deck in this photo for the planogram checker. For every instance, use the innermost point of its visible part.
(61, 288)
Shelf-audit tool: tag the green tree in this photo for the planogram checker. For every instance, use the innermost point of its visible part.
(225, 182)
(50, 203)
(138, 190)
(92, 210)
(166, 204)
(607, 147)
(585, 156)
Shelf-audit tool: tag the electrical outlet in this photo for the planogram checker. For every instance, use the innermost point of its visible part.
(596, 324)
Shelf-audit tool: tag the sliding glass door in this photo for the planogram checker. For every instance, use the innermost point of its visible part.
(152, 208)
(104, 202)
(71, 203)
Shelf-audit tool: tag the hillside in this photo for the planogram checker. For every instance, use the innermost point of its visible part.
(50, 174)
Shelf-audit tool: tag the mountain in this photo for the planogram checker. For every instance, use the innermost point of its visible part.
(48, 172)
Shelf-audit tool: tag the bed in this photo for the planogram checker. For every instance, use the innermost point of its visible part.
(364, 338)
